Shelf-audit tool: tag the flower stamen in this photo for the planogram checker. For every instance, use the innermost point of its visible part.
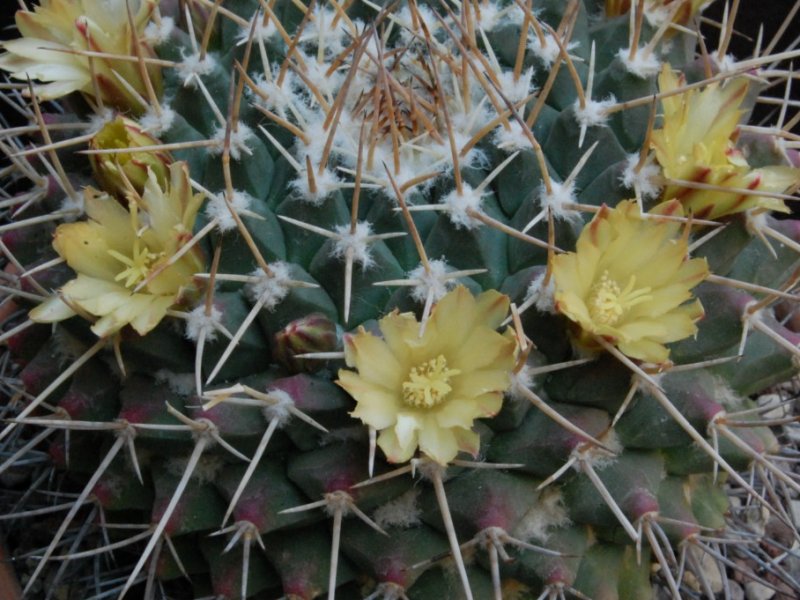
(429, 383)
(608, 302)
(138, 266)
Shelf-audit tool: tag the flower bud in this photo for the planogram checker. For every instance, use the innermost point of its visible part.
(111, 169)
(312, 333)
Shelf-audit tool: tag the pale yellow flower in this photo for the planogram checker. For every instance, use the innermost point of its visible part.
(696, 143)
(56, 31)
(629, 282)
(426, 391)
(688, 8)
(118, 248)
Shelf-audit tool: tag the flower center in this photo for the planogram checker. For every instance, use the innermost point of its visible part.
(137, 266)
(429, 383)
(608, 302)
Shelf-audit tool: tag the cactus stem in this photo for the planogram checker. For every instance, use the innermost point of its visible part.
(78, 503)
(65, 374)
(561, 420)
(262, 446)
(200, 445)
(435, 475)
(587, 468)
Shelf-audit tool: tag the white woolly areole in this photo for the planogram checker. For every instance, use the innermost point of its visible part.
(460, 205)
(543, 296)
(239, 139)
(645, 179)
(547, 53)
(217, 208)
(326, 182)
(180, 383)
(279, 410)
(74, 205)
(558, 198)
(726, 64)
(521, 380)
(357, 243)
(756, 222)
(270, 290)
(516, 90)
(431, 283)
(157, 123)
(278, 97)
(158, 33)
(192, 65)
(262, 32)
(512, 139)
(548, 512)
(400, 512)
(99, 120)
(641, 66)
(198, 321)
(596, 457)
(594, 113)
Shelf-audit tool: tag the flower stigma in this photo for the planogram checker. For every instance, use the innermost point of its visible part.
(608, 302)
(429, 383)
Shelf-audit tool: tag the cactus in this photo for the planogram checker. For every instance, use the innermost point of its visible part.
(393, 300)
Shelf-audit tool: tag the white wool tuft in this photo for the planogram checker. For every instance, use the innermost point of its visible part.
(217, 208)
(357, 243)
(641, 66)
(400, 512)
(262, 32)
(431, 283)
(156, 34)
(645, 180)
(594, 113)
(543, 296)
(239, 139)
(327, 182)
(460, 205)
(157, 123)
(193, 66)
(279, 410)
(197, 321)
(558, 199)
(270, 290)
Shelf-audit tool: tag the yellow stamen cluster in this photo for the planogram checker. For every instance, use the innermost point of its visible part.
(608, 302)
(429, 383)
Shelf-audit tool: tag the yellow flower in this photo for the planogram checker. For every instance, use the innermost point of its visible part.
(426, 391)
(629, 282)
(117, 249)
(56, 31)
(109, 168)
(696, 143)
(688, 8)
